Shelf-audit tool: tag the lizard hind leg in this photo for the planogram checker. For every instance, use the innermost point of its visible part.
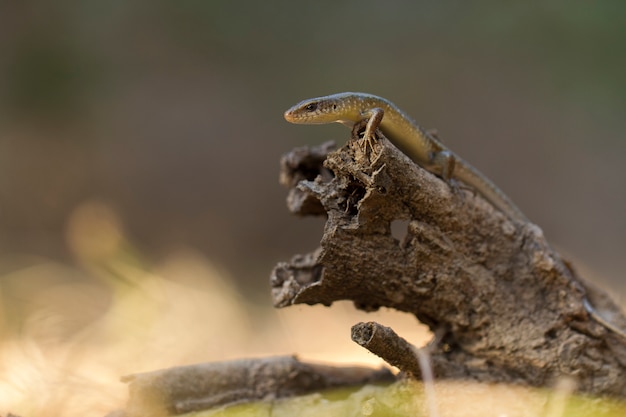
(443, 164)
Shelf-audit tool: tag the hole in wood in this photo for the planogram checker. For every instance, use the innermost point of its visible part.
(399, 229)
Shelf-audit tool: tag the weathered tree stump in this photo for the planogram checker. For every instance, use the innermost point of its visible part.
(503, 304)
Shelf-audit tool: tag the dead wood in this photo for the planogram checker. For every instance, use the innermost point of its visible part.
(384, 342)
(507, 306)
(190, 388)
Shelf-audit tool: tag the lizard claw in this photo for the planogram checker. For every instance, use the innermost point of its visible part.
(365, 139)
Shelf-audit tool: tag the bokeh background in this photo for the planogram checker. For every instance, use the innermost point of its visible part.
(140, 213)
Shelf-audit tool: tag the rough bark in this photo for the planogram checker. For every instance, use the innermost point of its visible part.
(507, 307)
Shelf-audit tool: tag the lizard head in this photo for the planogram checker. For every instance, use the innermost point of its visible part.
(322, 110)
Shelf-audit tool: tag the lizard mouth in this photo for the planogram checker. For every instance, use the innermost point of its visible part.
(290, 116)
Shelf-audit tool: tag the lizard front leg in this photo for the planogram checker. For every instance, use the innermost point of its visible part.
(371, 121)
(374, 117)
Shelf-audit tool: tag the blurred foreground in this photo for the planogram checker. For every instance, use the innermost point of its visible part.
(451, 399)
(69, 333)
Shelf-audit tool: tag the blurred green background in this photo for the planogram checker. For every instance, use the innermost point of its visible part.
(166, 116)
(170, 113)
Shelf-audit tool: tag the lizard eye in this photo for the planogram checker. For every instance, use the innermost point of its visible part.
(311, 107)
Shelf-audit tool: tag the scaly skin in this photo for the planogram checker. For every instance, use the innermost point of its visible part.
(405, 134)
(417, 144)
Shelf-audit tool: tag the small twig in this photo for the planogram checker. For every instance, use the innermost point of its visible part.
(385, 343)
(393, 349)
